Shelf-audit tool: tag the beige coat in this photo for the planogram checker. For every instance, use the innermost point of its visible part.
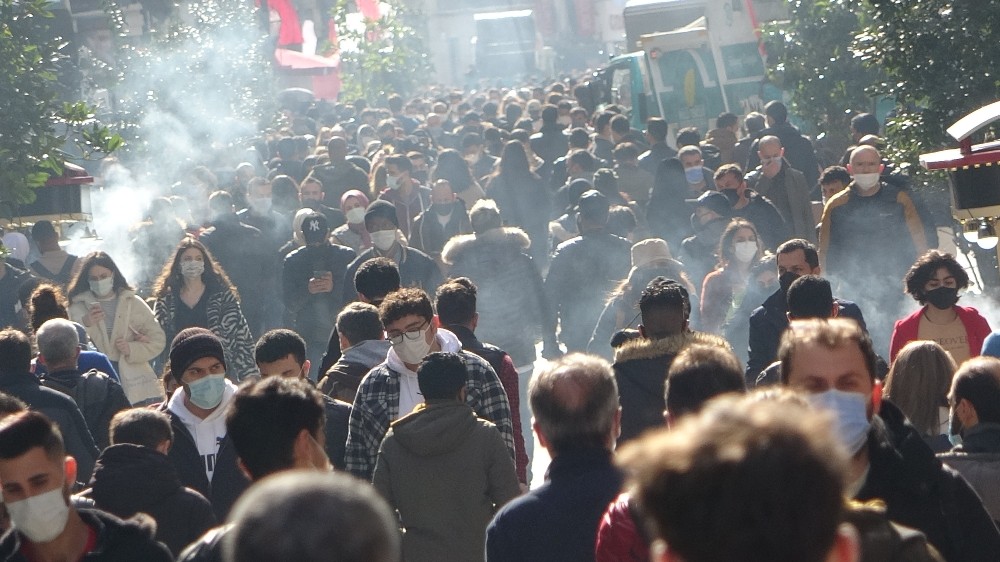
(133, 320)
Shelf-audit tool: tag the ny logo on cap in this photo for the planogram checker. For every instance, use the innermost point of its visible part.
(314, 225)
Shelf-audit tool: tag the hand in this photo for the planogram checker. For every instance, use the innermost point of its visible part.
(322, 284)
(95, 314)
(142, 338)
(122, 346)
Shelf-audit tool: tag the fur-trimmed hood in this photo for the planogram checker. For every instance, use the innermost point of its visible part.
(648, 349)
(512, 237)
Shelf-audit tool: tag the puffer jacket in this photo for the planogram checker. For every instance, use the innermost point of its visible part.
(641, 368)
(129, 479)
(513, 309)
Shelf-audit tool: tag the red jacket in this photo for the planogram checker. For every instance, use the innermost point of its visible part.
(976, 330)
(618, 537)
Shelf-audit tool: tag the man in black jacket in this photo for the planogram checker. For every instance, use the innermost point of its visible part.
(17, 381)
(641, 365)
(134, 475)
(37, 478)
(275, 424)
(799, 150)
(202, 451)
(309, 281)
(795, 258)
(283, 353)
(97, 395)
(833, 362)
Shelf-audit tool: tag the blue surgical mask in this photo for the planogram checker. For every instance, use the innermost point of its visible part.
(694, 175)
(851, 411)
(206, 392)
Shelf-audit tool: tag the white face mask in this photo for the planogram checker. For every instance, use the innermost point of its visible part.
(356, 215)
(413, 351)
(259, 205)
(392, 182)
(41, 518)
(383, 239)
(866, 181)
(193, 268)
(745, 251)
(102, 287)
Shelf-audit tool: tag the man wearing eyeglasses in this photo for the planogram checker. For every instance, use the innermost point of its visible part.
(390, 390)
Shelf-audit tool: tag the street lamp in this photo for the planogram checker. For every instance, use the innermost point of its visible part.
(970, 230)
(987, 235)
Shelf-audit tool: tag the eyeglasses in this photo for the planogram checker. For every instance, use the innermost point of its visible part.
(412, 335)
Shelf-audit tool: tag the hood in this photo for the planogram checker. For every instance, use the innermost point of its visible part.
(510, 237)
(643, 348)
(448, 341)
(435, 429)
(368, 352)
(128, 478)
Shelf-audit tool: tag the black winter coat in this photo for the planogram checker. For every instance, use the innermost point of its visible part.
(130, 479)
(921, 493)
(416, 269)
(228, 481)
(641, 369)
(97, 395)
(799, 151)
(117, 541)
(60, 409)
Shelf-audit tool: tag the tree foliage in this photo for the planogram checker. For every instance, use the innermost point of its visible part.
(938, 58)
(203, 80)
(37, 123)
(380, 57)
(810, 54)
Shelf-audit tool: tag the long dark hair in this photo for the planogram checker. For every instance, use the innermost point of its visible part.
(47, 301)
(452, 167)
(171, 279)
(514, 161)
(80, 285)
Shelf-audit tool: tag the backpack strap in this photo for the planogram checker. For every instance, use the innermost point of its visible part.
(94, 388)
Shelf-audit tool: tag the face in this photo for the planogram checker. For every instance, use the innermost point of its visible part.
(441, 193)
(770, 158)
(704, 215)
(394, 171)
(865, 162)
(202, 368)
(941, 278)
(692, 161)
(192, 254)
(831, 189)
(817, 368)
(744, 235)
(261, 191)
(286, 367)
(729, 181)
(407, 327)
(767, 279)
(99, 272)
(310, 191)
(794, 262)
(378, 224)
(34, 473)
(352, 203)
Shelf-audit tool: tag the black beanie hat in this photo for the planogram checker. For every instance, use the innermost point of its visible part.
(382, 208)
(190, 345)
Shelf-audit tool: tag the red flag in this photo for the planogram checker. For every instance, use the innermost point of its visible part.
(369, 9)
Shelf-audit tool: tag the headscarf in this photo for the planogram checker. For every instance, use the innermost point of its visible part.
(359, 228)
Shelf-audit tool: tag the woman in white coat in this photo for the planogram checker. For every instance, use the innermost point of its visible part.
(120, 324)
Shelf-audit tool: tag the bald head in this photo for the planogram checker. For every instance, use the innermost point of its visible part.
(575, 404)
(770, 141)
(864, 154)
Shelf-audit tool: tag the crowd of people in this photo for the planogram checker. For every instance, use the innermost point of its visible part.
(368, 294)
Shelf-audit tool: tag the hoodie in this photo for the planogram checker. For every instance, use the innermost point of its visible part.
(209, 432)
(641, 369)
(129, 479)
(409, 390)
(446, 472)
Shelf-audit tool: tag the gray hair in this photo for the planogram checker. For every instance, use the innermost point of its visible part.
(575, 401)
(312, 517)
(688, 150)
(770, 139)
(57, 341)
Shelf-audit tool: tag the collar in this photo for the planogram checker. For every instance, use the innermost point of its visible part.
(575, 460)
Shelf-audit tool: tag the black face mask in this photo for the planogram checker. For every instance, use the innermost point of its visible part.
(942, 297)
(443, 208)
(732, 194)
(786, 280)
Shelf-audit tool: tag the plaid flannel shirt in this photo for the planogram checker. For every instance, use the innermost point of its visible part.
(377, 404)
